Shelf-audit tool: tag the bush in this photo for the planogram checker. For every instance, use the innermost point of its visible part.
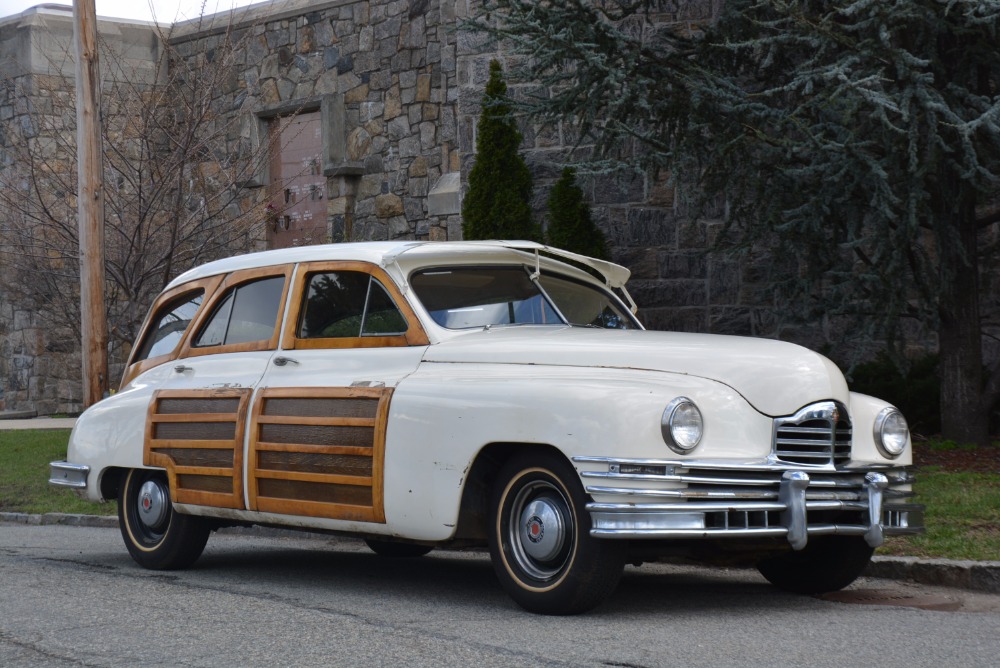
(570, 225)
(498, 203)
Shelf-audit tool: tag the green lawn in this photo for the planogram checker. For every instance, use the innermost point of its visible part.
(963, 509)
(24, 475)
(962, 517)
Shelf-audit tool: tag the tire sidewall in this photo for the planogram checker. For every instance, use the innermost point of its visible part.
(183, 538)
(592, 569)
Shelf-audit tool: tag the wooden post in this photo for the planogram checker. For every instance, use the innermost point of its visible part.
(90, 204)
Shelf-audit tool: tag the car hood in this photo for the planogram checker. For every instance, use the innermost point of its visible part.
(775, 377)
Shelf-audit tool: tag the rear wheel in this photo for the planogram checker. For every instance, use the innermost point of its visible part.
(827, 563)
(395, 549)
(540, 540)
(157, 536)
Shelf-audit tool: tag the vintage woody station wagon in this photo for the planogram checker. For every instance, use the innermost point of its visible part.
(424, 395)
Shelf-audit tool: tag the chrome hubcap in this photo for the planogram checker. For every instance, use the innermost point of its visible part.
(541, 530)
(153, 504)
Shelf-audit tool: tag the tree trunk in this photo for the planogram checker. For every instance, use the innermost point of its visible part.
(964, 418)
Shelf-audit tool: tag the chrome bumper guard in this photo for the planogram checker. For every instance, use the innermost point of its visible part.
(750, 502)
(64, 474)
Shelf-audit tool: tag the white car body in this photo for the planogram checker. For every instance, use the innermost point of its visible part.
(454, 404)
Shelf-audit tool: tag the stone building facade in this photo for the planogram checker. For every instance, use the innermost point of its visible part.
(391, 90)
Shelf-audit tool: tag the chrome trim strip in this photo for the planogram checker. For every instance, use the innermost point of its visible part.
(754, 465)
(777, 532)
(64, 474)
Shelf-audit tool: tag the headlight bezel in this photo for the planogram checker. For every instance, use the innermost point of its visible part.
(891, 417)
(677, 416)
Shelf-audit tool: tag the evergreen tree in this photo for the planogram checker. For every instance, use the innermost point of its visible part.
(570, 225)
(859, 138)
(498, 202)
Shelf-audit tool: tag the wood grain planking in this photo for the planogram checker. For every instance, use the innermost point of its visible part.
(195, 431)
(341, 511)
(198, 457)
(194, 417)
(318, 421)
(309, 448)
(315, 463)
(318, 435)
(323, 478)
(175, 406)
(341, 407)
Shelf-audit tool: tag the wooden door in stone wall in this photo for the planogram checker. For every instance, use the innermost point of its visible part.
(297, 208)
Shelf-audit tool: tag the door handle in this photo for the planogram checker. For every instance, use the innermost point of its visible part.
(180, 368)
(282, 361)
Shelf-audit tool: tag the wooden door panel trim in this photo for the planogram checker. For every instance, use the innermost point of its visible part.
(205, 444)
(152, 446)
(258, 472)
(317, 421)
(202, 470)
(329, 478)
(162, 418)
(340, 511)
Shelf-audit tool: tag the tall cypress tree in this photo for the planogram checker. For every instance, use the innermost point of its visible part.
(498, 202)
(570, 226)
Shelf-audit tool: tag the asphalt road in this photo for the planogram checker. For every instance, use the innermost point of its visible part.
(71, 596)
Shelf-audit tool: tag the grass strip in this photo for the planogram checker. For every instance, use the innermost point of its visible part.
(24, 475)
(962, 517)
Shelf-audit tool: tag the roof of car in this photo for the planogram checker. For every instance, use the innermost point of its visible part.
(408, 253)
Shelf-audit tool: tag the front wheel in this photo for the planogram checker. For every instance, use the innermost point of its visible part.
(827, 563)
(157, 537)
(540, 540)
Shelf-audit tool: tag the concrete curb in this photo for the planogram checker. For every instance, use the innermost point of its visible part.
(980, 576)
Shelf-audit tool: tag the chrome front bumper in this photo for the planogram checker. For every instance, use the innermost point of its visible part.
(64, 474)
(655, 499)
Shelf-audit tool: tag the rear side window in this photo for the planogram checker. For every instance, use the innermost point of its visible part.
(246, 313)
(348, 304)
(169, 325)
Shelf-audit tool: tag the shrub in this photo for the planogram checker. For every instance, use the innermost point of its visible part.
(498, 203)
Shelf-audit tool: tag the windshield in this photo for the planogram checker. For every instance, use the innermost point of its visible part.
(465, 297)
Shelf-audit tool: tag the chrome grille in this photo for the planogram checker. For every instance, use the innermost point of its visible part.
(817, 435)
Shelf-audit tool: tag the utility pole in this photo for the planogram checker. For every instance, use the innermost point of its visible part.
(90, 204)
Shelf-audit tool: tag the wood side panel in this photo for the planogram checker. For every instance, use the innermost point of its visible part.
(200, 471)
(378, 456)
(294, 466)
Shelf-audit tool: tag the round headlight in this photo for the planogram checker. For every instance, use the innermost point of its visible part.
(681, 425)
(891, 432)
